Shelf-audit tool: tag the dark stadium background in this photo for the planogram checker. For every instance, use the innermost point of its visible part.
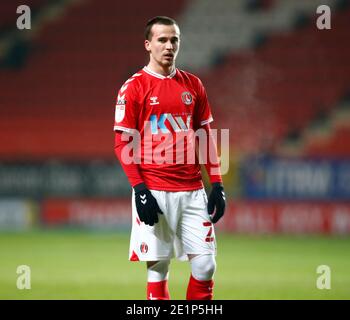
(277, 82)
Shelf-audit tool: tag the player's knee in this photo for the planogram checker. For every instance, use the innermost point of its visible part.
(158, 271)
(203, 267)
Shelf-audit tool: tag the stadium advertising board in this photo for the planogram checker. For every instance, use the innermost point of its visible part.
(274, 178)
(90, 213)
(286, 217)
(16, 214)
(62, 179)
(255, 217)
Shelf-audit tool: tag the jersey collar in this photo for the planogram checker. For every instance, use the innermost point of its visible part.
(158, 75)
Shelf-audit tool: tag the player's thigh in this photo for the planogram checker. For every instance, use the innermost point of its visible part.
(195, 228)
(151, 243)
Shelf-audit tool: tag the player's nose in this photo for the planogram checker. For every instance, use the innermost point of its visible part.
(169, 45)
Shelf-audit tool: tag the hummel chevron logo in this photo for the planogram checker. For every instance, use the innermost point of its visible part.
(143, 197)
(129, 80)
(154, 101)
(223, 195)
(123, 88)
(126, 84)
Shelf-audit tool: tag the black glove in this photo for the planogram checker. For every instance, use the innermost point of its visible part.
(146, 205)
(216, 200)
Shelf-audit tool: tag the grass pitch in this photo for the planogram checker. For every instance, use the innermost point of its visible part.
(90, 265)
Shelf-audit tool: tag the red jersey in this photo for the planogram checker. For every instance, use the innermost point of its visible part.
(171, 106)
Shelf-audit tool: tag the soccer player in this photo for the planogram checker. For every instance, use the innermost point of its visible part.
(161, 107)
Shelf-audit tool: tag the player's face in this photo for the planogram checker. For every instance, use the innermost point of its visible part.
(164, 44)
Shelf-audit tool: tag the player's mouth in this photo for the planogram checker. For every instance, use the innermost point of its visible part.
(169, 56)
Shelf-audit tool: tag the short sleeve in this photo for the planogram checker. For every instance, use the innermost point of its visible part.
(126, 107)
(203, 114)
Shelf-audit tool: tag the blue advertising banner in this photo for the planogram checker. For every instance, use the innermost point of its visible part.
(302, 179)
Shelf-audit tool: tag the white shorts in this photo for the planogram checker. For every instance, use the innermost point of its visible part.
(183, 228)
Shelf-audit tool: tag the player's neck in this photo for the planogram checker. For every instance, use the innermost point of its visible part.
(163, 70)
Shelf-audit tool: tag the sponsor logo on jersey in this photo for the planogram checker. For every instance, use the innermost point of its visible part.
(186, 98)
(121, 99)
(177, 123)
(120, 108)
(121, 102)
(144, 247)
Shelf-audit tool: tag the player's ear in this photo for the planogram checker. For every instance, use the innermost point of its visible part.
(147, 45)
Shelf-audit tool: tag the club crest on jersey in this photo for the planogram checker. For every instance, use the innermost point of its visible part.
(186, 98)
(144, 247)
(119, 112)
